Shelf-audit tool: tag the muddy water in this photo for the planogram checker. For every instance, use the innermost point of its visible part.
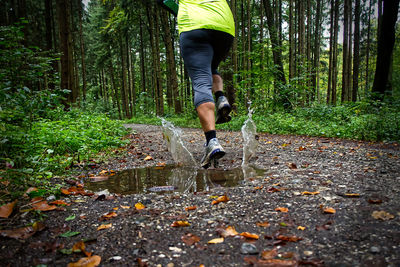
(171, 179)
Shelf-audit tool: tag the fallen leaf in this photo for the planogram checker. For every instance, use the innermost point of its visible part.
(24, 232)
(60, 202)
(249, 235)
(382, 215)
(91, 261)
(229, 231)
(69, 234)
(191, 208)
(216, 240)
(160, 165)
(289, 238)
(190, 239)
(375, 201)
(282, 209)
(302, 228)
(116, 208)
(125, 207)
(139, 206)
(269, 254)
(292, 166)
(220, 199)
(180, 224)
(310, 193)
(7, 209)
(262, 224)
(43, 206)
(104, 226)
(65, 191)
(301, 148)
(258, 187)
(271, 262)
(329, 210)
(108, 215)
(273, 189)
(78, 246)
(148, 158)
(352, 195)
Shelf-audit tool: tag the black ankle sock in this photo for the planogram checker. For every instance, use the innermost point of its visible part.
(210, 135)
(218, 94)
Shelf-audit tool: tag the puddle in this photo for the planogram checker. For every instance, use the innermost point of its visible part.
(172, 179)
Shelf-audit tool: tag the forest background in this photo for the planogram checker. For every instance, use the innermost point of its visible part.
(72, 71)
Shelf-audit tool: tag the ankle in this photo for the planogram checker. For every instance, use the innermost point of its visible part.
(210, 135)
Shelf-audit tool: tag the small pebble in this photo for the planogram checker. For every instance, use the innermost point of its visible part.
(175, 249)
(308, 253)
(170, 264)
(248, 248)
(375, 249)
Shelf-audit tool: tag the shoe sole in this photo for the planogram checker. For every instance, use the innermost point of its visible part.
(223, 115)
(217, 154)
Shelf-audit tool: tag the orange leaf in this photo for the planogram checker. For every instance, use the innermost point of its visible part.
(191, 208)
(65, 191)
(310, 193)
(190, 239)
(79, 247)
(148, 158)
(249, 235)
(220, 199)
(109, 215)
(43, 206)
(7, 209)
(125, 207)
(116, 208)
(229, 231)
(91, 261)
(180, 224)
(269, 254)
(281, 209)
(329, 210)
(59, 202)
(216, 241)
(352, 195)
(301, 148)
(263, 224)
(104, 226)
(139, 206)
(289, 238)
(258, 187)
(302, 228)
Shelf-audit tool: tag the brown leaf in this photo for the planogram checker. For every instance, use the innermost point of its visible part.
(292, 166)
(190, 239)
(282, 209)
(191, 208)
(180, 224)
(109, 215)
(43, 206)
(352, 195)
(229, 231)
(375, 201)
(289, 238)
(104, 226)
(273, 189)
(220, 199)
(80, 247)
(262, 224)
(382, 215)
(7, 209)
(24, 232)
(91, 261)
(59, 202)
(269, 254)
(270, 262)
(249, 235)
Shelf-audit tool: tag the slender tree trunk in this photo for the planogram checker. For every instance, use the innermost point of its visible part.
(368, 48)
(310, 92)
(345, 73)
(331, 54)
(350, 53)
(335, 52)
(279, 74)
(82, 46)
(124, 91)
(315, 69)
(292, 44)
(386, 41)
(113, 83)
(356, 59)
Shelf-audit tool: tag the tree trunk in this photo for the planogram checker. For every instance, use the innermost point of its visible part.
(279, 74)
(124, 87)
(335, 52)
(82, 46)
(345, 52)
(331, 54)
(113, 83)
(67, 70)
(356, 59)
(368, 48)
(315, 68)
(386, 41)
(292, 45)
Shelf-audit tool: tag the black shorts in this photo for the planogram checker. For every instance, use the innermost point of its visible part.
(202, 51)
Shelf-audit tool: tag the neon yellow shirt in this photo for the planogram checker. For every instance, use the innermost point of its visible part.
(205, 14)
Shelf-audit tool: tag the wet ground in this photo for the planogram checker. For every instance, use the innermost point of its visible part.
(317, 202)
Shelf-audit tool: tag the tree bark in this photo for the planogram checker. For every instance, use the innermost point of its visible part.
(356, 59)
(82, 46)
(345, 52)
(315, 68)
(386, 41)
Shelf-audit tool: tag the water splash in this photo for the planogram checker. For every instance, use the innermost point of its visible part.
(175, 144)
(249, 131)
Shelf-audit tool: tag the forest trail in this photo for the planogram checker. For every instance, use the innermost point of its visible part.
(319, 202)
